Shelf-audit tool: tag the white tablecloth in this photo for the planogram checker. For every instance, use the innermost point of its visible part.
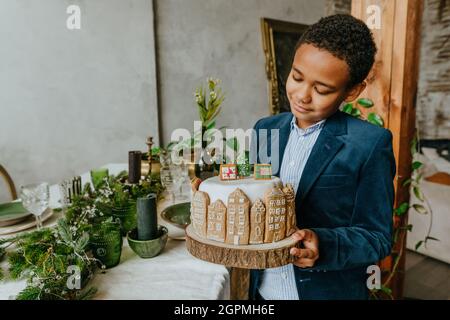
(173, 274)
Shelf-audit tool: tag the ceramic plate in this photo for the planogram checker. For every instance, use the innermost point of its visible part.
(12, 213)
(27, 223)
(178, 214)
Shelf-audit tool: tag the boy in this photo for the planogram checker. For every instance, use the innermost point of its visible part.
(342, 169)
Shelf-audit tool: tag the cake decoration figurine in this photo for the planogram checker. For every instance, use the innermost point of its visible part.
(263, 172)
(257, 222)
(228, 172)
(238, 218)
(289, 194)
(199, 212)
(275, 229)
(217, 213)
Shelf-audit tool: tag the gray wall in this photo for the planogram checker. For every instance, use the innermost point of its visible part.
(74, 100)
(221, 38)
(433, 100)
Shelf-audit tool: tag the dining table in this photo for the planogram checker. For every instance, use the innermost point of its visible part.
(174, 274)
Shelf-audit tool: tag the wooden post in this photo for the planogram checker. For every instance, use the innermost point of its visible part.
(392, 85)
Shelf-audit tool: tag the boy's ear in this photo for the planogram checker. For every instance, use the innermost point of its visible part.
(355, 91)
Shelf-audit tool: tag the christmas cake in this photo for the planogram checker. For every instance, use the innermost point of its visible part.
(243, 212)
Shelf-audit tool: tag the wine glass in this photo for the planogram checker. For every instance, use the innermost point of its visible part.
(35, 198)
(165, 173)
(180, 175)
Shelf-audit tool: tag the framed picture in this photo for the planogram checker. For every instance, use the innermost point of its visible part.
(279, 40)
(263, 172)
(228, 172)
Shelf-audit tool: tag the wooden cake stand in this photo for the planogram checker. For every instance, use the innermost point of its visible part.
(255, 256)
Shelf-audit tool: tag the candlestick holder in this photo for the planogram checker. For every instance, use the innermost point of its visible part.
(148, 248)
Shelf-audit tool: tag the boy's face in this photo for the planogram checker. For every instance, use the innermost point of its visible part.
(317, 84)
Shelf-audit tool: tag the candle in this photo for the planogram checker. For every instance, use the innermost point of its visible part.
(134, 166)
(147, 222)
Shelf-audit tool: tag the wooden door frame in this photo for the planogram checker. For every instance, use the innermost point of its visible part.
(392, 85)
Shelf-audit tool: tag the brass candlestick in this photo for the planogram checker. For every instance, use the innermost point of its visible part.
(149, 144)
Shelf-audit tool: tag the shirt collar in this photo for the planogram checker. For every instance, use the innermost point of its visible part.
(303, 132)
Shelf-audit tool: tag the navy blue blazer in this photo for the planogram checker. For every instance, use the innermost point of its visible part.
(346, 197)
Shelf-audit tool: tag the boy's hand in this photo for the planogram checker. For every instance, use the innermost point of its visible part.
(305, 257)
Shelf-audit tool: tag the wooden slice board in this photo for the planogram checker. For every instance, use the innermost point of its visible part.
(255, 256)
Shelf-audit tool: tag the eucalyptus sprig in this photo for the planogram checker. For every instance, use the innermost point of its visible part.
(209, 102)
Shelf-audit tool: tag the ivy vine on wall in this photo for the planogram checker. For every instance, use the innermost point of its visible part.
(421, 207)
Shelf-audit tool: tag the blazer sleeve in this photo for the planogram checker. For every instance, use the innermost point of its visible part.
(368, 239)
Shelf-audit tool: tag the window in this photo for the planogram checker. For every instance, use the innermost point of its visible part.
(218, 227)
(241, 210)
(258, 217)
(241, 220)
(277, 218)
(241, 200)
(278, 211)
(282, 218)
(231, 200)
(241, 230)
(271, 219)
(277, 226)
(258, 231)
(278, 202)
(270, 227)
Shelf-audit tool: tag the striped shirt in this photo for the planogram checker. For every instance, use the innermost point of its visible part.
(279, 283)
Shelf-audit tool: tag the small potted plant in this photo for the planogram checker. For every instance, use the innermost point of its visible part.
(209, 106)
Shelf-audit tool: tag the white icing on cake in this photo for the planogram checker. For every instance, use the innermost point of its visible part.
(254, 189)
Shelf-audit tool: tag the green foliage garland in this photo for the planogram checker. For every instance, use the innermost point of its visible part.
(45, 257)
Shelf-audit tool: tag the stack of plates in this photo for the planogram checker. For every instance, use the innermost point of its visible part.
(14, 217)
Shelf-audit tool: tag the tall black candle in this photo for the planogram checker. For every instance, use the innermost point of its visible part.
(134, 166)
(147, 220)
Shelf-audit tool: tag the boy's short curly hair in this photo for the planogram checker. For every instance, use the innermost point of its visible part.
(346, 38)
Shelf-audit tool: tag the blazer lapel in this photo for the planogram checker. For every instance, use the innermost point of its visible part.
(285, 130)
(324, 150)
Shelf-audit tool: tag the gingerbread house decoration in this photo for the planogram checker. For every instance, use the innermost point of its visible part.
(238, 218)
(275, 229)
(289, 194)
(199, 212)
(217, 212)
(257, 222)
